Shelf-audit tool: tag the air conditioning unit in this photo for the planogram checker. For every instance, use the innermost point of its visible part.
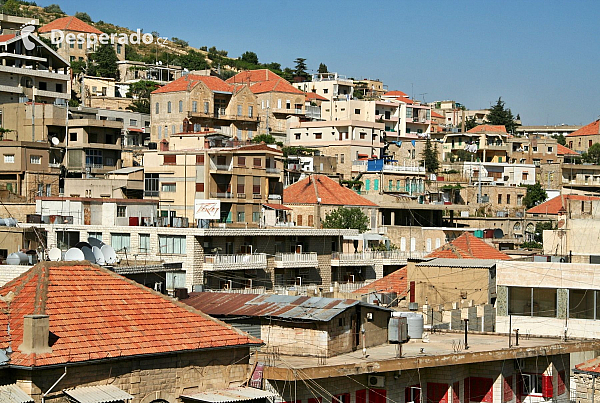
(376, 381)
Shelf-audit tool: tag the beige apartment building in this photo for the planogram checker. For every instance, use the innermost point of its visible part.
(75, 51)
(332, 86)
(534, 149)
(277, 99)
(205, 102)
(40, 73)
(369, 89)
(242, 178)
(581, 140)
(132, 71)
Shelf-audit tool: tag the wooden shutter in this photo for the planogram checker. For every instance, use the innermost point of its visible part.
(170, 159)
(361, 396)
(377, 396)
(437, 392)
(199, 187)
(200, 159)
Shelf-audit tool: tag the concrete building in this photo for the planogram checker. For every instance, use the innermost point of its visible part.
(546, 130)
(124, 183)
(535, 149)
(300, 166)
(16, 239)
(78, 342)
(500, 173)
(582, 139)
(207, 103)
(76, 51)
(369, 89)
(40, 74)
(489, 141)
(300, 326)
(276, 100)
(332, 86)
(132, 71)
(386, 176)
(12, 24)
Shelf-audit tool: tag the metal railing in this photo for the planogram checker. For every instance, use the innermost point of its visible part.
(223, 167)
(257, 258)
(222, 195)
(296, 257)
(352, 256)
(273, 170)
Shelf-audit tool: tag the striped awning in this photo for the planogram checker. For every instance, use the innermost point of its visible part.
(97, 394)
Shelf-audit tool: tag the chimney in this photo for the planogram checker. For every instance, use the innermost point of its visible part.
(36, 331)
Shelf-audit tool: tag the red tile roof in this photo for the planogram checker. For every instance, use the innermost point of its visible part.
(562, 150)
(279, 85)
(396, 94)
(276, 206)
(7, 37)
(592, 365)
(69, 24)
(97, 314)
(253, 76)
(188, 82)
(436, 115)
(313, 96)
(260, 147)
(405, 100)
(467, 246)
(329, 191)
(488, 129)
(393, 282)
(588, 130)
(552, 206)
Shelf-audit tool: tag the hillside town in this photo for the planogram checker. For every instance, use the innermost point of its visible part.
(221, 230)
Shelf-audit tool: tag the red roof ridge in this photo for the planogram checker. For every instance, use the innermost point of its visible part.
(587, 130)
(69, 23)
(330, 192)
(470, 246)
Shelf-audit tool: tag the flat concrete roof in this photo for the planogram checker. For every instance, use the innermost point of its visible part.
(439, 351)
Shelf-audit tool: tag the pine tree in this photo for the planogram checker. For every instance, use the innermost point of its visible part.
(430, 157)
(323, 68)
(499, 115)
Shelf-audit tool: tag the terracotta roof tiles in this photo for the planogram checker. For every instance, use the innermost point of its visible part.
(279, 85)
(97, 314)
(562, 150)
(313, 96)
(188, 82)
(69, 24)
(488, 129)
(587, 130)
(329, 191)
(552, 206)
(253, 76)
(7, 37)
(468, 246)
(393, 282)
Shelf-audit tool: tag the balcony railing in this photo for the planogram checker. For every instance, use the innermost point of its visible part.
(285, 260)
(273, 170)
(235, 262)
(223, 167)
(222, 195)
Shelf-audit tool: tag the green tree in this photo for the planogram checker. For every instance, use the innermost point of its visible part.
(300, 68)
(85, 17)
(322, 68)
(560, 139)
(534, 196)
(104, 62)
(78, 66)
(140, 92)
(49, 43)
(592, 155)
(249, 57)
(470, 123)
(12, 7)
(347, 218)
(539, 230)
(430, 157)
(53, 8)
(267, 138)
(287, 74)
(499, 115)
(193, 60)
(179, 42)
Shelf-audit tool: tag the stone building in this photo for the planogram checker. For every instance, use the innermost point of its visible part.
(113, 335)
(582, 139)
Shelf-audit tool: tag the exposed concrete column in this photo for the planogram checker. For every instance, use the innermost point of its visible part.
(392, 217)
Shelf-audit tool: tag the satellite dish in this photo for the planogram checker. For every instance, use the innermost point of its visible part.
(82, 244)
(95, 242)
(55, 254)
(55, 141)
(74, 254)
(98, 255)
(110, 256)
(88, 253)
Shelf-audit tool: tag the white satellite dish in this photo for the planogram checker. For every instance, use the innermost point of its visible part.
(98, 255)
(110, 256)
(55, 254)
(74, 254)
(55, 141)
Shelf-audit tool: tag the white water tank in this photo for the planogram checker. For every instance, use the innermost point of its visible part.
(415, 323)
(17, 258)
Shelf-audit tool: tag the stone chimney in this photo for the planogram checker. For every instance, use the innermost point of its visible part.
(36, 332)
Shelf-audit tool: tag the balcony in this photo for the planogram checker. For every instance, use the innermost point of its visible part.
(235, 262)
(220, 114)
(221, 195)
(293, 260)
(352, 259)
(288, 111)
(273, 171)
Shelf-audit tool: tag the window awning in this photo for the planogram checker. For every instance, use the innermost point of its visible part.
(135, 129)
(13, 394)
(97, 394)
(231, 395)
(276, 206)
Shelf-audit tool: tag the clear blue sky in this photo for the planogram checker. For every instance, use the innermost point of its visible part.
(542, 57)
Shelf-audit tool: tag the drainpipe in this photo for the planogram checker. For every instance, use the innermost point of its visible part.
(52, 387)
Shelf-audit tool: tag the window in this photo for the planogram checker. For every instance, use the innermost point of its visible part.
(239, 134)
(499, 199)
(363, 135)
(412, 394)
(343, 398)
(357, 111)
(534, 149)
(95, 235)
(157, 108)
(35, 159)
(93, 158)
(250, 111)
(507, 389)
(524, 176)
(48, 190)
(376, 184)
(121, 211)
(325, 91)
(528, 301)
(9, 158)
(437, 392)
(241, 216)
(255, 216)
(241, 161)
(479, 389)
(507, 199)
(59, 88)
(256, 186)
(206, 107)
(368, 184)
(589, 143)
(169, 107)
(120, 242)
(257, 163)
(180, 106)
(172, 244)
(279, 104)
(159, 132)
(581, 304)
(318, 136)
(168, 187)
(250, 134)
(536, 384)
(119, 48)
(72, 46)
(342, 158)
(151, 185)
(169, 159)
(194, 106)
(239, 110)
(241, 185)
(297, 136)
(200, 159)
(550, 149)
(144, 243)
(199, 187)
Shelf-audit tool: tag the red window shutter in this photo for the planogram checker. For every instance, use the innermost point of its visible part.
(519, 387)
(456, 392)
(481, 389)
(507, 394)
(199, 187)
(200, 159)
(170, 159)
(377, 396)
(561, 383)
(437, 392)
(412, 291)
(547, 386)
(361, 396)
(317, 400)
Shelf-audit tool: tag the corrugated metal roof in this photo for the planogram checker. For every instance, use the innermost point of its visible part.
(280, 306)
(231, 395)
(98, 394)
(473, 263)
(13, 394)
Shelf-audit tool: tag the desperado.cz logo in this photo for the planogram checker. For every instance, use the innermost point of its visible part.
(91, 39)
(25, 32)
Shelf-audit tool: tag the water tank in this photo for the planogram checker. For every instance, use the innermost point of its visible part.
(415, 324)
(17, 258)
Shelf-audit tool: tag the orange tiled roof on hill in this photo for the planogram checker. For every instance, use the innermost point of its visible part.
(69, 24)
(7, 37)
(393, 282)
(562, 150)
(552, 206)
(279, 85)
(587, 130)
(434, 114)
(97, 314)
(468, 246)
(396, 94)
(313, 96)
(188, 82)
(329, 191)
(253, 76)
(488, 129)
